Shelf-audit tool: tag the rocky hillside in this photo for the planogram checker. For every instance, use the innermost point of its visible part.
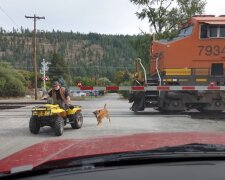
(107, 53)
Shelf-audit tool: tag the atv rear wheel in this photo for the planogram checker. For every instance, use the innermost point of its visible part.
(58, 125)
(34, 125)
(76, 120)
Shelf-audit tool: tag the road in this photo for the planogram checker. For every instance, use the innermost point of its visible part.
(15, 134)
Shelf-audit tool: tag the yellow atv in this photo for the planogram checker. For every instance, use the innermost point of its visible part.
(55, 117)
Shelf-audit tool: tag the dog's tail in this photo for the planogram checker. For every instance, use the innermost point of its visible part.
(105, 106)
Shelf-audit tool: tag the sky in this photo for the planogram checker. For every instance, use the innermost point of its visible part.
(99, 16)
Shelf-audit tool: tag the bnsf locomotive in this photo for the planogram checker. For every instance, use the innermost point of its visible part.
(193, 60)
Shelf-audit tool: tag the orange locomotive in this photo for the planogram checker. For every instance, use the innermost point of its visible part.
(195, 57)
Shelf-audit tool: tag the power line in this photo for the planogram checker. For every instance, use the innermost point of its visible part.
(9, 17)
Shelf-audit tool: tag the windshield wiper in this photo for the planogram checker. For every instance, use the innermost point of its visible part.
(195, 147)
(182, 150)
(164, 154)
(187, 151)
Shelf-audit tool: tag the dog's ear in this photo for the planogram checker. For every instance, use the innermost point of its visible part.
(95, 113)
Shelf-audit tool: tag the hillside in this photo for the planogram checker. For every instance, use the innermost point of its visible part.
(86, 54)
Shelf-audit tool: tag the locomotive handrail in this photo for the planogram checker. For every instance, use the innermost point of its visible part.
(139, 60)
(157, 69)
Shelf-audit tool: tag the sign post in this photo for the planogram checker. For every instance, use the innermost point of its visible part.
(43, 70)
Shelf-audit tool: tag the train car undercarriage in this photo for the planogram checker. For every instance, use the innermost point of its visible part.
(178, 101)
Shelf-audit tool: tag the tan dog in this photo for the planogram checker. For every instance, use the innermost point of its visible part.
(100, 114)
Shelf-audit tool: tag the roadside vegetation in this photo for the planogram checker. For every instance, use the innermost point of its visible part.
(13, 83)
(98, 59)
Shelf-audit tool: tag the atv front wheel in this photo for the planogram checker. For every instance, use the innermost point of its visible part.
(76, 120)
(34, 125)
(58, 125)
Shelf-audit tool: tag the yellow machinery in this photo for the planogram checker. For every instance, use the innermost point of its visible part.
(55, 117)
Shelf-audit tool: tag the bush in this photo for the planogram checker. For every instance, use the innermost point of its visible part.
(2, 83)
(12, 83)
(14, 87)
(104, 82)
(25, 77)
(84, 80)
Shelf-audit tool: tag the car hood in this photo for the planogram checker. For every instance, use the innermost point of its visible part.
(53, 150)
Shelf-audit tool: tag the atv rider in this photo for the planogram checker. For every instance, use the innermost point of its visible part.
(60, 95)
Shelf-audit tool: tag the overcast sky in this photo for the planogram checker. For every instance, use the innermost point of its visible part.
(101, 16)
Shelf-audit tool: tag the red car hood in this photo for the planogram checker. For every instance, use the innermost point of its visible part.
(52, 150)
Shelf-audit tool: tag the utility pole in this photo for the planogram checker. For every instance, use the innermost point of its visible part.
(35, 61)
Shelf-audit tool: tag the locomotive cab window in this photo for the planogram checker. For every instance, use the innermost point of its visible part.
(222, 31)
(212, 31)
(204, 31)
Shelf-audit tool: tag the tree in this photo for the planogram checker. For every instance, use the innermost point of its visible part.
(188, 8)
(166, 15)
(141, 45)
(58, 68)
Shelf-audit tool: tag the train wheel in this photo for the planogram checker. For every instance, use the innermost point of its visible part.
(215, 107)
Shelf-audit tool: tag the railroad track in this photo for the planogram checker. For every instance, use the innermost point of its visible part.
(15, 105)
(193, 115)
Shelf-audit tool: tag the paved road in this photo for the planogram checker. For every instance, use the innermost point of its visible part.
(15, 135)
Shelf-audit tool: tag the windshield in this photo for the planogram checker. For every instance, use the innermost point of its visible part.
(181, 34)
(76, 79)
(186, 31)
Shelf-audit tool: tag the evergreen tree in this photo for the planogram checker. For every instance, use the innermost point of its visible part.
(58, 68)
